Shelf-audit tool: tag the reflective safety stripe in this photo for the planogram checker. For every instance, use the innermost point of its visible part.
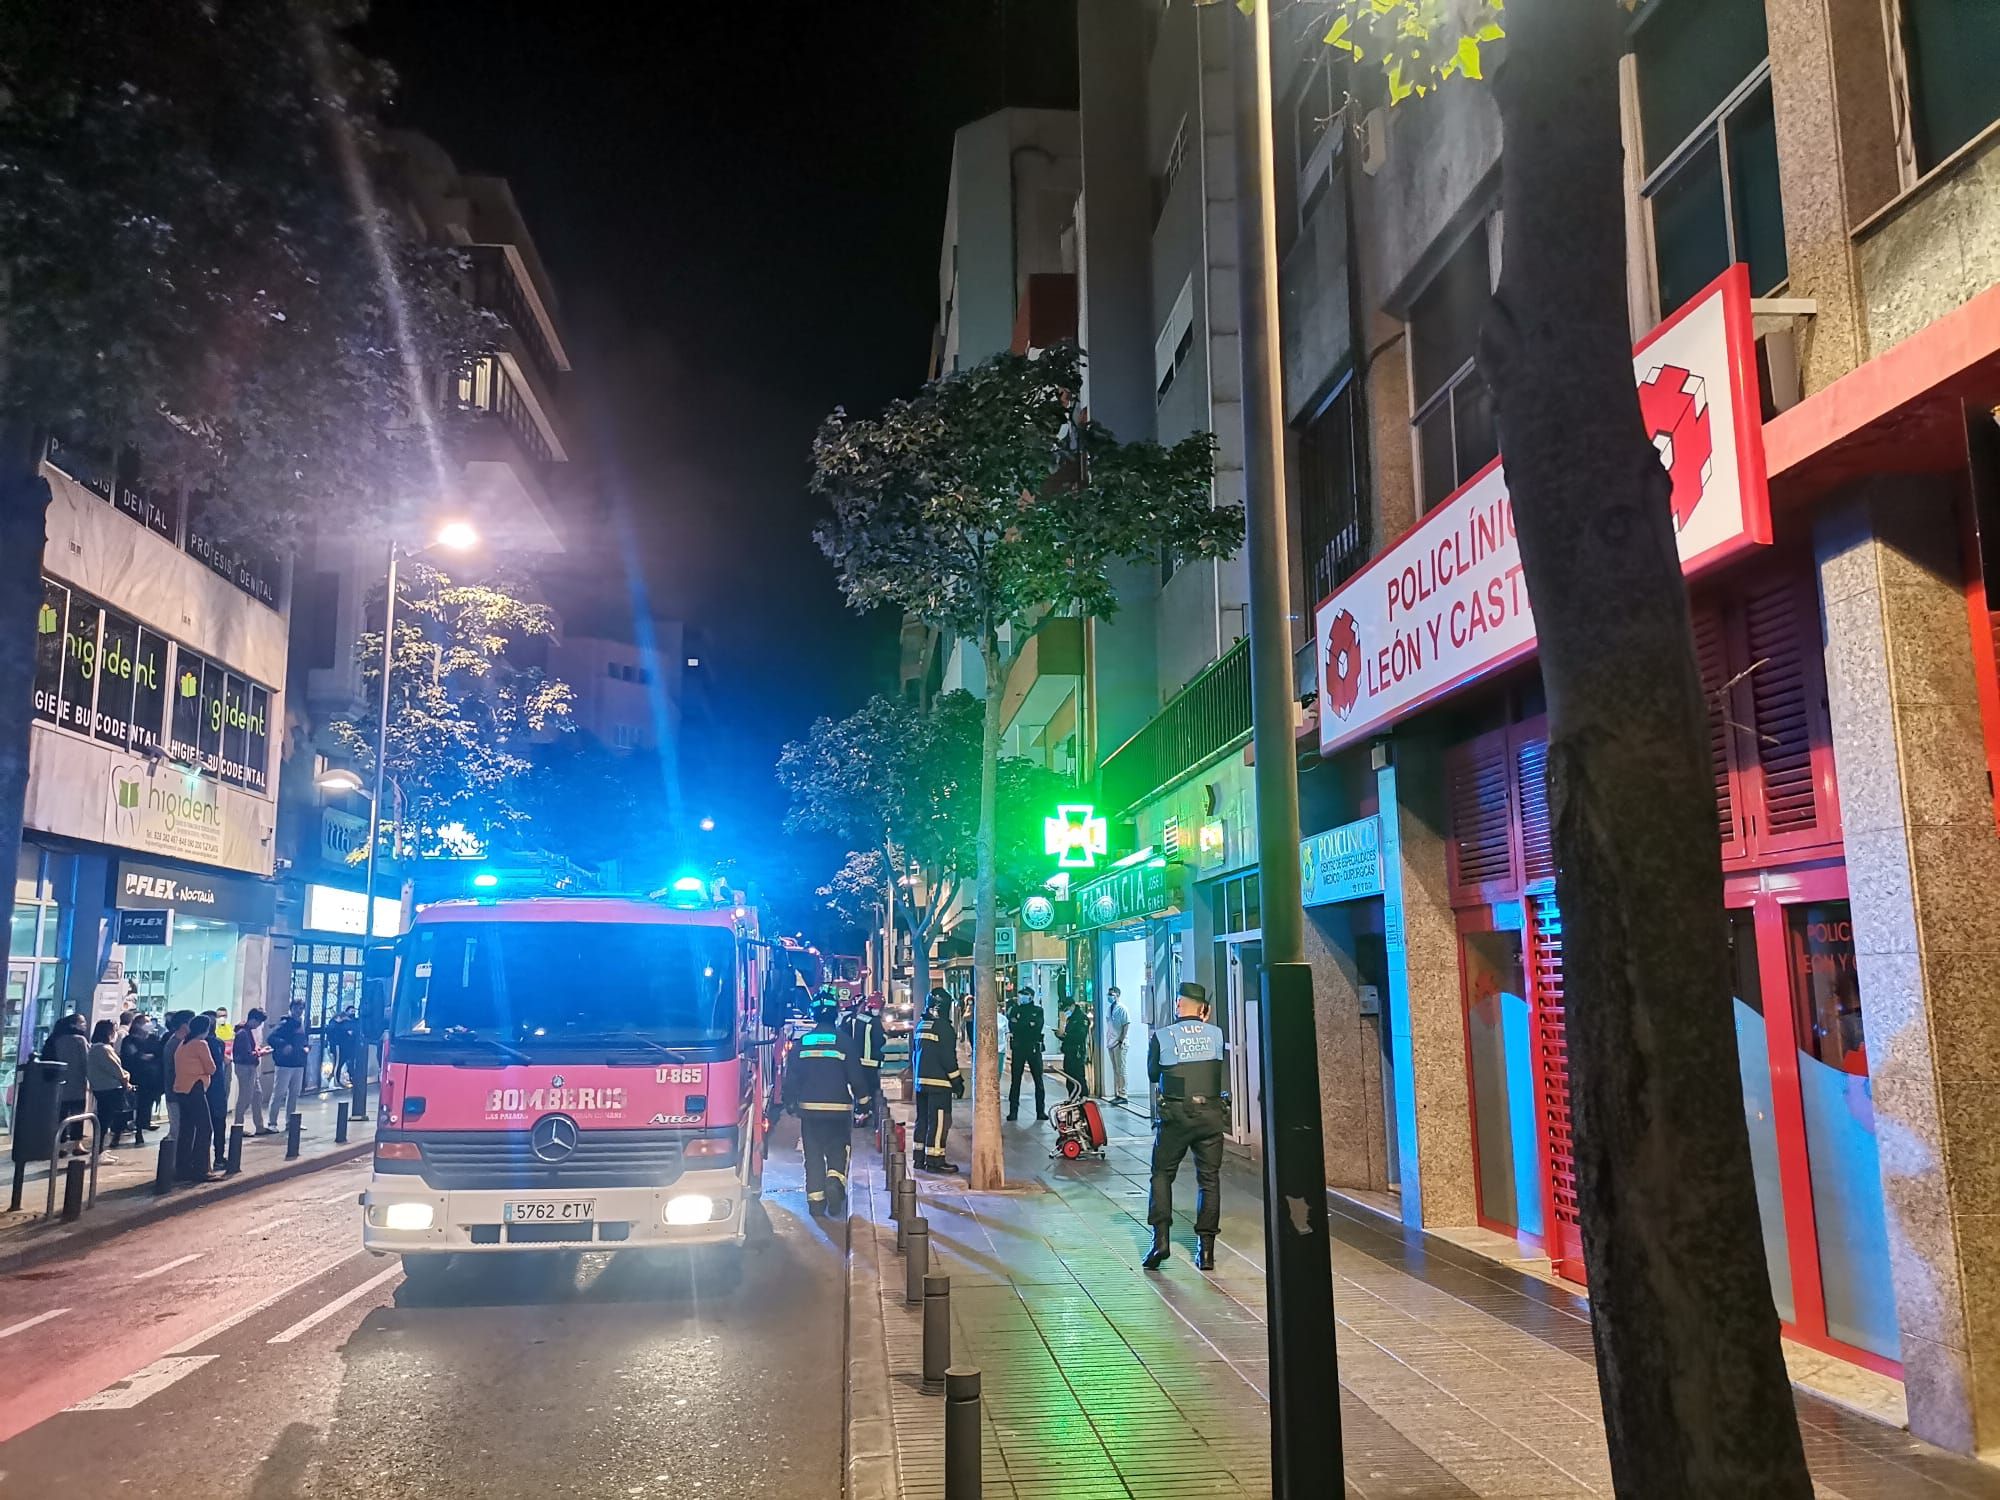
(871, 1062)
(829, 1056)
(935, 1083)
(829, 1108)
(938, 1135)
(815, 1197)
(842, 1176)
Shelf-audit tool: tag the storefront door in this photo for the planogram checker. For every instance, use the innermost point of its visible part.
(1246, 1054)
(1803, 1054)
(13, 1016)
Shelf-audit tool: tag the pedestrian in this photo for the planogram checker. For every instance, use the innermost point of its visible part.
(938, 1083)
(1073, 1033)
(140, 1052)
(1185, 1063)
(177, 1031)
(68, 1043)
(288, 1053)
(1025, 1026)
(218, 1089)
(194, 1066)
(124, 1027)
(1117, 1023)
(863, 1039)
(109, 1085)
(340, 1039)
(823, 1083)
(246, 1056)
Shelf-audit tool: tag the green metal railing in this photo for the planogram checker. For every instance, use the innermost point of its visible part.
(1206, 718)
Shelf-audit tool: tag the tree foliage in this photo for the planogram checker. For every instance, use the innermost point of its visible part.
(462, 715)
(858, 891)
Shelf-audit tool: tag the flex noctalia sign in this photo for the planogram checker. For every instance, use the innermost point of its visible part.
(138, 886)
(1448, 603)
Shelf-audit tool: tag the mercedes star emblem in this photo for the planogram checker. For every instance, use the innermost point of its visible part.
(553, 1139)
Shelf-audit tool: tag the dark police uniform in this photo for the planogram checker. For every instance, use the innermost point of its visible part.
(821, 1087)
(1185, 1062)
(938, 1083)
(1024, 1045)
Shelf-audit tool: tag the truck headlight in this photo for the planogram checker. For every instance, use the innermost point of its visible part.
(410, 1217)
(690, 1208)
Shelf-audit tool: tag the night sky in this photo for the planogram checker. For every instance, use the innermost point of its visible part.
(740, 209)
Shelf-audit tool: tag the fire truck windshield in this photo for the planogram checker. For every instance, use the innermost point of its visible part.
(539, 986)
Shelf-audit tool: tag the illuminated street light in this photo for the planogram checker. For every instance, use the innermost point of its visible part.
(457, 536)
(707, 825)
(339, 779)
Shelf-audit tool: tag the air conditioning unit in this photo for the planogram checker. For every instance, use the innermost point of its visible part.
(1778, 322)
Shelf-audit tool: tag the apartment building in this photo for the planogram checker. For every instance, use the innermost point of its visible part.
(507, 472)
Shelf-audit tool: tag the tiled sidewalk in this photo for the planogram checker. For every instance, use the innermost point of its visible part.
(125, 1195)
(1459, 1377)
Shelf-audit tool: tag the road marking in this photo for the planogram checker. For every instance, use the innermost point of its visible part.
(156, 1377)
(26, 1323)
(346, 1195)
(271, 1224)
(162, 1270)
(312, 1320)
(244, 1315)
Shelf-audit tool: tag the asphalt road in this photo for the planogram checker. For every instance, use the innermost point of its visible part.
(251, 1349)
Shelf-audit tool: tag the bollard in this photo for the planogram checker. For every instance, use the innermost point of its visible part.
(340, 1124)
(906, 1210)
(892, 1173)
(937, 1328)
(235, 1150)
(961, 1434)
(163, 1174)
(292, 1128)
(918, 1266)
(20, 1180)
(72, 1208)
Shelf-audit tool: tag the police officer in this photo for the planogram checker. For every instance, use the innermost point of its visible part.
(821, 1088)
(862, 1036)
(1024, 1044)
(1185, 1063)
(938, 1083)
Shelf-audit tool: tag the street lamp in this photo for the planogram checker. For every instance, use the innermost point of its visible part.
(707, 825)
(455, 536)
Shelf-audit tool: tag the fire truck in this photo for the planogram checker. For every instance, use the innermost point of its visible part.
(581, 1072)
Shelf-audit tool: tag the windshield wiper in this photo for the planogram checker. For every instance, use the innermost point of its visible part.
(511, 1054)
(631, 1034)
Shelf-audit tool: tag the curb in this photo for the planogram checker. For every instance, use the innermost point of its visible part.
(180, 1201)
(870, 1470)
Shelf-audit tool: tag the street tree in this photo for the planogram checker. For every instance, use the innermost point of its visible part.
(980, 507)
(463, 716)
(1690, 1371)
(858, 892)
(904, 781)
(195, 275)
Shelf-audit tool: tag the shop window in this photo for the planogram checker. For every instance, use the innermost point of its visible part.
(1710, 144)
(1454, 422)
(1332, 513)
(1952, 47)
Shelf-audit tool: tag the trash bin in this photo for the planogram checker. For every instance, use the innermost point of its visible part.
(37, 1109)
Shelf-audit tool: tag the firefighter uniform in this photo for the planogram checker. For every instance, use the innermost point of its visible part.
(1185, 1061)
(863, 1038)
(1024, 1044)
(821, 1089)
(938, 1083)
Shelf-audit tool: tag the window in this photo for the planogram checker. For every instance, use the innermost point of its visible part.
(1711, 148)
(1456, 435)
(1170, 170)
(1331, 512)
(1175, 343)
(624, 737)
(1314, 131)
(1952, 47)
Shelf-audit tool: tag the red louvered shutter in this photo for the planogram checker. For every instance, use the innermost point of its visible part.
(1787, 747)
(1531, 795)
(1562, 1226)
(1723, 698)
(1479, 843)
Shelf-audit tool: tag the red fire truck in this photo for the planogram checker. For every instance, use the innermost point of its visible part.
(582, 1072)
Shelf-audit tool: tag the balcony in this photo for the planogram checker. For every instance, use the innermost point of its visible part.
(1205, 721)
(496, 286)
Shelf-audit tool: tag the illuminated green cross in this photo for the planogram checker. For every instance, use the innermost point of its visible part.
(1076, 836)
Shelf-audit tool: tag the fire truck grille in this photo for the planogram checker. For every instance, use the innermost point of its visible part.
(471, 1161)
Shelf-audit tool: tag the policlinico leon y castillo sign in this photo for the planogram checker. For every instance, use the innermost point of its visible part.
(1447, 602)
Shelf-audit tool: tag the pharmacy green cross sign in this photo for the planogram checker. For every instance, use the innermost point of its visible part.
(1077, 836)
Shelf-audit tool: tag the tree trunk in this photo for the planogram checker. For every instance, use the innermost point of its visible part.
(988, 1161)
(1691, 1376)
(920, 958)
(24, 509)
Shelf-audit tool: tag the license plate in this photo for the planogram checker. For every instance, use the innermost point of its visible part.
(570, 1212)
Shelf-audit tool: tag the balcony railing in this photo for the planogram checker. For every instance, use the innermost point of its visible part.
(484, 386)
(496, 288)
(1204, 720)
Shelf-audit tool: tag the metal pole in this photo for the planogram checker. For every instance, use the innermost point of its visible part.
(72, 1208)
(340, 1123)
(364, 1044)
(937, 1327)
(1305, 1388)
(917, 1265)
(961, 1435)
(20, 1181)
(163, 1173)
(292, 1127)
(235, 1166)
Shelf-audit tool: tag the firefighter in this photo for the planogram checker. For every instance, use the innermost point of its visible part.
(1185, 1062)
(938, 1083)
(862, 1035)
(821, 1088)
